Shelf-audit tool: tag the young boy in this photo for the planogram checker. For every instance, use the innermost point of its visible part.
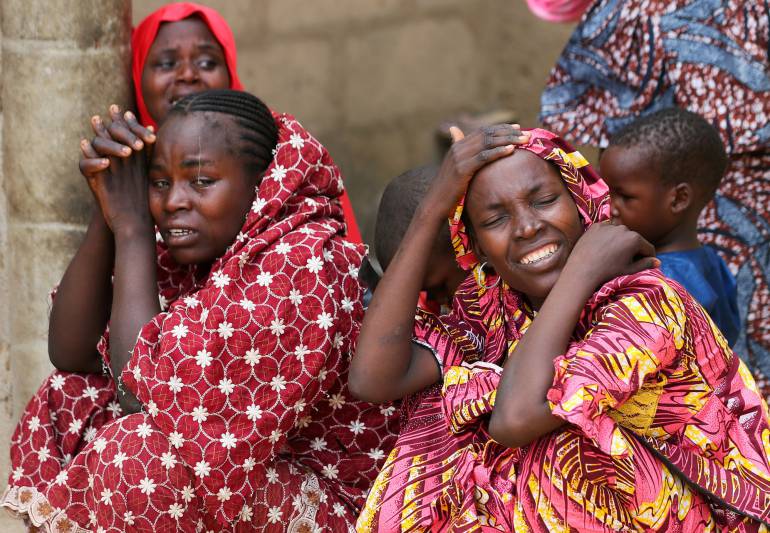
(662, 170)
(397, 206)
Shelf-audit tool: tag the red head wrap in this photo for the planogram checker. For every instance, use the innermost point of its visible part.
(144, 35)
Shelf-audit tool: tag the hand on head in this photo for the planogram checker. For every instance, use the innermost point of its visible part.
(466, 156)
(114, 165)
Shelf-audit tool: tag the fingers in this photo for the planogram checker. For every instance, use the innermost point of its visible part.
(456, 134)
(145, 134)
(487, 156)
(644, 263)
(91, 162)
(121, 132)
(645, 248)
(109, 148)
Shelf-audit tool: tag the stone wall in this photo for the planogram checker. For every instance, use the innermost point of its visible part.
(373, 78)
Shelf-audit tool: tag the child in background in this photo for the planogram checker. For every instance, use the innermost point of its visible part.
(397, 206)
(662, 170)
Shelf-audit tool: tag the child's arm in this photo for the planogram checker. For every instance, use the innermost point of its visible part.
(387, 365)
(81, 308)
(123, 200)
(521, 413)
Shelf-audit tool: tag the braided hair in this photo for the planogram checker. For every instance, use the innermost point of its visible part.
(682, 144)
(258, 132)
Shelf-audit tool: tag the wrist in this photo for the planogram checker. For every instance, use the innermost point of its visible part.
(133, 231)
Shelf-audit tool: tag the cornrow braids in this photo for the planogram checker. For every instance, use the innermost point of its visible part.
(258, 130)
(683, 145)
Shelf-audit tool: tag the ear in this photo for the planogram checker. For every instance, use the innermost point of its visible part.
(680, 198)
(476, 248)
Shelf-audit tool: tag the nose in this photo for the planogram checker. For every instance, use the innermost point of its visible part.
(177, 199)
(187, 71)
(528, 224)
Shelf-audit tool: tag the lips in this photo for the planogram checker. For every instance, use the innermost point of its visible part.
(539, 255)
(179, 236)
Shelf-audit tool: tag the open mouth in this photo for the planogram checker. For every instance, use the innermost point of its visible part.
(539, 255)
(179, 236)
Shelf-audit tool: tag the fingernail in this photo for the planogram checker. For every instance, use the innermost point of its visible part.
(105, 161)
(138, 145)
(126, 150)
(114, 108)
(151, 137)
(95, 119)
(151, 127)
(129, 115)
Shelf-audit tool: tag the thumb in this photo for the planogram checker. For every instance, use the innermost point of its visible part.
(644, 263)
(456, 134)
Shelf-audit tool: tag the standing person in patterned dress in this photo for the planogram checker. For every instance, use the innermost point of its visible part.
(228, 339)
(628, 58)
(581, 390)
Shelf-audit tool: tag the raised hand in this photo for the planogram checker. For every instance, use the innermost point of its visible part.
(606, 251)
(466, 157)
(114, 165)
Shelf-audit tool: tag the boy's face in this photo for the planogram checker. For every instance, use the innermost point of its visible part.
(443, 277)
(640, 199)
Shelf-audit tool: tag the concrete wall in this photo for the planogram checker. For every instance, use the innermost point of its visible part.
(373, 78)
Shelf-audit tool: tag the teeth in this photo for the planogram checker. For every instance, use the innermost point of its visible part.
(179, 232)
(539, 255)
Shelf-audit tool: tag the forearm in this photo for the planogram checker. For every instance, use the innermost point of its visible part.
(521, 412)
(135, 300)
(81, 308)
(383, 367)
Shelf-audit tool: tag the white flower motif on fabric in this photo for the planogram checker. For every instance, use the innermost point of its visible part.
(264, 279)
(128, 518)
(300, 352)
(295, 297)
(67, 459)
(283, 248)
(191, 301)
(203, 358)
(387, 410)
(258, 205)
(147, 486)
(303, 421)
(328, 255)
(253, 412)
(119, 459)
(202, 469)
(338, 509)
(296, 141)
(248, 305)
(325, 320)
(376, 454)
(338, 340)
(278, 383)
(337, 400)
(61, 477)
(353, 271)
(224, 494)
(277, 327)
(100, 444)
(252, 357)
(357, 427)
(106, 496)
(220, 279)
(163, 301)
(299, 405)
(137, 373)
(275, 436)
(33, 424)
(115, 409)
(249, 464)
(91, 393)
(227, 440)
(176, 439)
(144, 430)
(188, 494)
(18, 472)
(57, 381)
(179, 331)
(152, 408)
(176, 511)
(225, 330)
(279, 172)
(322, 375)
(175, 384)
(271, 475)
(89, 434)
(330, 471)
(274, 515)
(314, 264)
(200, 414)
(226, 386)
(246, 513)
(347, 305)
(168, 460)
(318, 444)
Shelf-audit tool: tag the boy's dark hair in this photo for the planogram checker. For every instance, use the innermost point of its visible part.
(259, 132)
(683, 144)
(397, 207)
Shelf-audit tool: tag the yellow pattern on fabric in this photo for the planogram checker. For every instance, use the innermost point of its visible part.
(412, 490)
(544, 509)
(365, 520)
(653, 514)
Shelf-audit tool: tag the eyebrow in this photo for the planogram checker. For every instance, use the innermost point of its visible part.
(205, 46)
(195, 162)
(529, 192)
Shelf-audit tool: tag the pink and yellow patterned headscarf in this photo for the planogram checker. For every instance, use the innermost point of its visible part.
(590, 193)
